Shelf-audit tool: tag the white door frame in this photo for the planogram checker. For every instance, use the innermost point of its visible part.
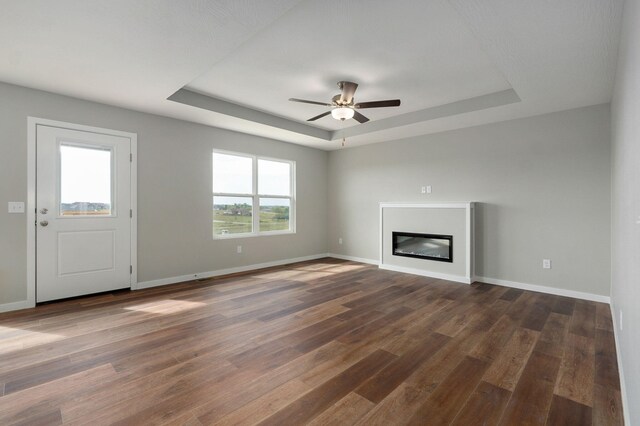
(32, 125)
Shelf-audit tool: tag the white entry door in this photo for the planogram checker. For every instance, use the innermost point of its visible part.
(83, 216)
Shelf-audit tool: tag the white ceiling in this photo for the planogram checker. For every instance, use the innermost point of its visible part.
(454, 63)
(393, 49)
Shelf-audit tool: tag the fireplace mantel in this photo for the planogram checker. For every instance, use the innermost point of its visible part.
(456, 219)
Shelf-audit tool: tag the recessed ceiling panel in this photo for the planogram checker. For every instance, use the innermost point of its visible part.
(421, 52)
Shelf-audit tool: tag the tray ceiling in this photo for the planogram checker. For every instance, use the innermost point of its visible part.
(233, 64)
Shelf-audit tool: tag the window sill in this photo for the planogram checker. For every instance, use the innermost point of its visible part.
(252, 235)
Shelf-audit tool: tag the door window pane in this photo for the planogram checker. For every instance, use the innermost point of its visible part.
(85, 181)
(274, 214)
(232, 215)
(232, 174)
(274, 177)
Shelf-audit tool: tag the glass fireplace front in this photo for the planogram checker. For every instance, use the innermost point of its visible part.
(423, 246)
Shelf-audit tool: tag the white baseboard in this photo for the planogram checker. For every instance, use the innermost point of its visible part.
(227, 271)
(14, 306)
(545, 289)
(623, 387)
(353, 258)
(457, 278)
(463, 279)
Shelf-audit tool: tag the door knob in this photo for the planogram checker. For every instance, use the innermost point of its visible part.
(44, 223)
(44, 211)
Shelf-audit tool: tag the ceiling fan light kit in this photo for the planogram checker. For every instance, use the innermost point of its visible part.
(342, 113)
(343, 105)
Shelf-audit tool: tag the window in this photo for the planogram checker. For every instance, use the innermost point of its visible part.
(85, 181)
(252, 195)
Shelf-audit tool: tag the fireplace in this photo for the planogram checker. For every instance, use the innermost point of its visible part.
(423, 246)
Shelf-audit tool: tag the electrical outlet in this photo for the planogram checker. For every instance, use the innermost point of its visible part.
(239, 249)
(340, 240)
(428, 189)
(620, 325)
(546, 263)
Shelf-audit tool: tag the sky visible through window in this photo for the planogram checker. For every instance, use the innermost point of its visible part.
(85, 175)
(274, 177)
(232, 174)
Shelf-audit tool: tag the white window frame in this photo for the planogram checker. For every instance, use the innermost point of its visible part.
(255, 196)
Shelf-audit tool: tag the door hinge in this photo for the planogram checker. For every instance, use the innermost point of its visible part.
(130, 269)
(131, 157)
(130, 212)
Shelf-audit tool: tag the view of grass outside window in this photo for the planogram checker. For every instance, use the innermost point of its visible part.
(251, 195)
(274, 214)
(232, 215)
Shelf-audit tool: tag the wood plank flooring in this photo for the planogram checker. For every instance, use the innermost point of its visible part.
(326, 342)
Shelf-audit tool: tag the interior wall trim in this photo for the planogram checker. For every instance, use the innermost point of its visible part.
(505, 283)
(23, 304)
(15, 306)
(544, 289)
(226, 271)
(623, 387)
(354, 258)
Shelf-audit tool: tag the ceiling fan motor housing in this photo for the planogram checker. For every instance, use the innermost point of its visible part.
(336, 101)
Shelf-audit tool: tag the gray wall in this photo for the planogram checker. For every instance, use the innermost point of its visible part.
(625, 255)
(174, 189)
(542, 183)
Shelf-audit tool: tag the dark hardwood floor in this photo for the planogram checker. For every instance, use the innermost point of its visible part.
(322, 342)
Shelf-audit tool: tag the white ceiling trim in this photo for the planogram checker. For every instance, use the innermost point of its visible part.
(188, 97)
(478, 103)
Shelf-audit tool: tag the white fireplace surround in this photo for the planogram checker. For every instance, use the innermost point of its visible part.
(461, 220)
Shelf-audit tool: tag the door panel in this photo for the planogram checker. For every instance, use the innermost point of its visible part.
(86, 251)
(83, 237)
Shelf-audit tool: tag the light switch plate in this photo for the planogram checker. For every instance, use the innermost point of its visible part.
(16, 207)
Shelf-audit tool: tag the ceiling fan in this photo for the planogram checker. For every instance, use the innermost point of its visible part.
(343, 106)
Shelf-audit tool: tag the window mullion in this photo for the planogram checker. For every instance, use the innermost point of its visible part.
(256, 198)
(230, 194)
(284, 197)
